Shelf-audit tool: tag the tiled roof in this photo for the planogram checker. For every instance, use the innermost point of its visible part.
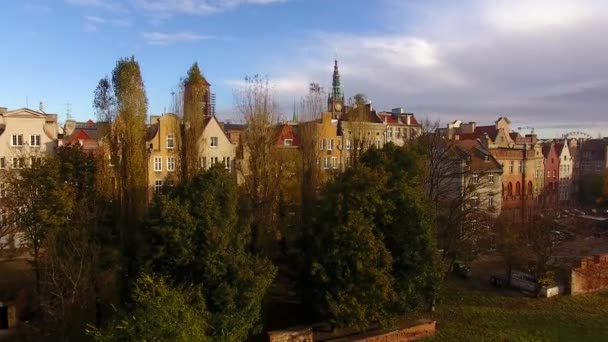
(234, 127)
(151, 131)
(481, 160)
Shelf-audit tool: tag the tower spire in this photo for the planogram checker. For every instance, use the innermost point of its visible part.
(336, 89)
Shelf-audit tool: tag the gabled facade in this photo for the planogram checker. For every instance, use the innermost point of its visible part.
(163, 145)
(26, 136)
(550, 195)
(215, 147)
(565, 172)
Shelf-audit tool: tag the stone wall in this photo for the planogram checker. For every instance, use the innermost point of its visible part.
(291, 335)
(589, 274)
(422, 330)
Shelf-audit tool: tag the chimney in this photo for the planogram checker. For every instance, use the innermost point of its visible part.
(397, 111)
(408, 119)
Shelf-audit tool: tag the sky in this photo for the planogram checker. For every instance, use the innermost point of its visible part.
(542, 63)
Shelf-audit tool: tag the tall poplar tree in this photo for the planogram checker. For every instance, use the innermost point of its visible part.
(194, 107)
(130, 130)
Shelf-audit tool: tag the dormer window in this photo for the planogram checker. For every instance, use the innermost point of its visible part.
(17, 140)
(287, 142)
(170, 141)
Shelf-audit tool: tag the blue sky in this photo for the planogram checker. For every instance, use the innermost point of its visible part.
(542, 63)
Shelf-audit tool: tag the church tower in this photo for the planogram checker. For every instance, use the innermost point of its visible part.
(335, 100)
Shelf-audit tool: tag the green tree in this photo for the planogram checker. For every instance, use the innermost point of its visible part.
(129, 130)
(38, 203)
(198, 239)
(384, 193)
(162, 313)
(195, 106)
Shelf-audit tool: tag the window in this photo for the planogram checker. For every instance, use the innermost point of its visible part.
(158, 186)
(3, 217)
(35, 140)
(475, 200)
(399, 133)
(170, 140)
(326, 163)
(214, 160)
(18, 163)
(390, 132)
(158, 164)
(2, 190)
(490, 178)
(512, 166)
(35, 162)
(521, 167)
(2, 163)
(321, 144)
(378, 144)
(204, 163)
(475, 178)
(287, 142)
(170, 163)
(334, 162)
(348, 144)
(17, 140)
(491, 200)
(213, 141)
(227, 164)
(330, 144)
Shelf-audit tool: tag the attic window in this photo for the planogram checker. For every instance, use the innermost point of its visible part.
(486, 157)
(287, 142)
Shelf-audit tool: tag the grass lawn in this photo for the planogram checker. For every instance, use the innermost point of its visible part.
(477, 313)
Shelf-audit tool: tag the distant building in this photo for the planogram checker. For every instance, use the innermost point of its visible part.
(401, 127)
(478, 181)
(593, 154)
(520, 157)
(81, 133)
(565, 172)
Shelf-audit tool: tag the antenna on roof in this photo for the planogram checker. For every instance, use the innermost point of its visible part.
(68, 112)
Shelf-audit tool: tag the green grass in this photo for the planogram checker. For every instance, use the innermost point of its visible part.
(487, 314)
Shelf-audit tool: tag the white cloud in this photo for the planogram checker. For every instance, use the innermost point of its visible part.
(93, 23)
(532, 16)
(162, 38)
(530, 60)
(167, 8)
(107, 5)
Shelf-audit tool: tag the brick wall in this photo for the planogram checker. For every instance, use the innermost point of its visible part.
(402, 335)
(589, 274)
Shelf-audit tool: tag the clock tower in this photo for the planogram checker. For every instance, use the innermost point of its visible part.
(335, 101)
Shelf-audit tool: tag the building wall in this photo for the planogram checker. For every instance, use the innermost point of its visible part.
(551, 175)
(330, 156)
(565, 175)
(224, 152)
(159, 150)
(591, 274)
(27, 123)
(369, 133)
